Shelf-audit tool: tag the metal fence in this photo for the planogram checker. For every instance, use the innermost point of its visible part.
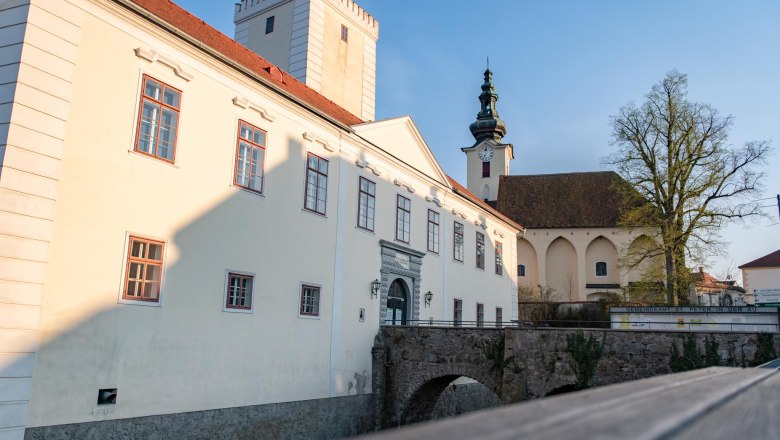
(670, 326)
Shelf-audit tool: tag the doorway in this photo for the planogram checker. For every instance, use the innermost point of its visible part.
(397, 302)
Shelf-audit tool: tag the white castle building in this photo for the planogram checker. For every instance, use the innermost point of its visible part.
(197, 242)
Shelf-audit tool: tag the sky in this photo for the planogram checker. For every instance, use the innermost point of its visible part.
(562, 68)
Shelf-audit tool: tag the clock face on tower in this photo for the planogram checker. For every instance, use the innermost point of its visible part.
(485, 153)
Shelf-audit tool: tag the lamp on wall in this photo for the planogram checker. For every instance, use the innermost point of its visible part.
(428, 298)
(374, 288)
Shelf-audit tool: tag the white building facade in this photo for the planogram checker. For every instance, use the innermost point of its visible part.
(185, 227)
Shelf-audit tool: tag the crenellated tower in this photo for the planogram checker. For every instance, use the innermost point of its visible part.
(488, 158)
(329, 45)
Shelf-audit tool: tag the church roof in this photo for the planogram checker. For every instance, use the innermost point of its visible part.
(195, 28)
(770, 260)
(463, 192)
(568, 200)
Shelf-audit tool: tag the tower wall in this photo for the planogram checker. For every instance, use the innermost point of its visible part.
(307, 42)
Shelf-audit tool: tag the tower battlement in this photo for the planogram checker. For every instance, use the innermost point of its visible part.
(246, 9)
(360, 15)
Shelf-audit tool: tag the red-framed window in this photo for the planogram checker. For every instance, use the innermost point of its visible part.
(433, 231)
(144, 269)
(158, 119)
(310, 300)
(366, 203)
(316, 195)
(480, 250)
(239, 291)
(457, 242)
(499, 258)
(250, 157)
(480, 314)
(403, 219)
(485, 169)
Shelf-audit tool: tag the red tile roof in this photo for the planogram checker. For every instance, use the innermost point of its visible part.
(197, 29)
(461, 190)
(771, 260)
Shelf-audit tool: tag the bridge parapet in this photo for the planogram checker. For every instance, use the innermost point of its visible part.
(413, 365)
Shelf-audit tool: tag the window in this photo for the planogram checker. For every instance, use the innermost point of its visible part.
(316, 184)
(499, 316)
(458, 242)
(239, 291)
(499, 258)
(402, 220)
(485, 169)
(366, 203)
(144, 269)
(480, 315)
(250, 157)
(310, 300)
(269, 24)
(433, 231)
(480, 250)
(457, 313)
(521, 270)
(158, 119)
(601, 269)
(344, 33)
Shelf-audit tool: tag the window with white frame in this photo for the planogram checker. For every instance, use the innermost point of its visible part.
(158, 119)
(480, 250)
(310, 300)
(250, 157)
(433, 231)
(239, 291)
(316, 184)
(144, 269)
(601, 269)
(403, 219)
(457, 242)
(366, 203)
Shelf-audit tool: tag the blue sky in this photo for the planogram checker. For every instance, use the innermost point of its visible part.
(561, 68)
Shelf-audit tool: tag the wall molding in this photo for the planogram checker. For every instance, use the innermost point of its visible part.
(153, 56)
(244, 103)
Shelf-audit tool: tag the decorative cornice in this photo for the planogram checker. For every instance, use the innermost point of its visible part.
(369, 166)
(458, 213)
(434, 200)
(408, 186)
(311, 137)
(244, 103)
(400, 248)
(499, 233)
(153, 56)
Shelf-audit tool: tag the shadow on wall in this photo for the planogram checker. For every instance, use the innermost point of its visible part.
(189, 354)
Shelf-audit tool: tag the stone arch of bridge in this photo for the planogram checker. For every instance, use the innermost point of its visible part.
(420, 397)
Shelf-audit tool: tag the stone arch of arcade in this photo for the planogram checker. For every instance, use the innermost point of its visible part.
(561, 269)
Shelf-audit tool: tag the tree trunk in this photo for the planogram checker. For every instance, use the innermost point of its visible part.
(671, 288)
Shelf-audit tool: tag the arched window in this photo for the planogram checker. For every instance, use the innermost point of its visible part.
(601, 269)
(521, 270)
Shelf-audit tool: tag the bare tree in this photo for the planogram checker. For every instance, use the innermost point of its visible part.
(675, 154)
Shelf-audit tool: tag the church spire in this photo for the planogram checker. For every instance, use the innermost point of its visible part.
(488, 125)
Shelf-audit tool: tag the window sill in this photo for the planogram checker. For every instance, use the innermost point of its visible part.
(314, 213)
(457, 261)
(311, 317)
(247, 190)
(154, 159)
(435, 254)
(133, 302)
(364, 231)
(236, 310)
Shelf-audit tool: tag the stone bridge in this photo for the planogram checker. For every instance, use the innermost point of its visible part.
(412, 366)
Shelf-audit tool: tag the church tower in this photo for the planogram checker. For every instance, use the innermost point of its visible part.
(488, 158)
(329, 45)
